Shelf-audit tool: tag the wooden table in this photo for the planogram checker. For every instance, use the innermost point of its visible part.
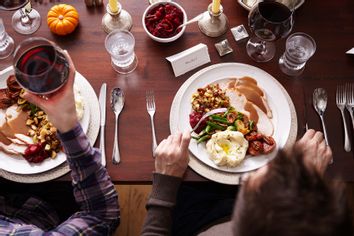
(330, 23)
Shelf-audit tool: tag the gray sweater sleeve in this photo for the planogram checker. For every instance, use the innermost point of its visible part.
(160, 204)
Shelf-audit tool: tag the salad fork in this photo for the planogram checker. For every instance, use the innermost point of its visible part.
(151, 108)
(350, 100)
(341, 101)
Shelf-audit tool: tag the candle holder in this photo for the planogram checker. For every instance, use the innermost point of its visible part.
(116, 20)
(213, 24)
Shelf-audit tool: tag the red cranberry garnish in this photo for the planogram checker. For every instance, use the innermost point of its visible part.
(163, 20)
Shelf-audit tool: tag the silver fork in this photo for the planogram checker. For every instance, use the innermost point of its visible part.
(151, 108)
(341, 102)
(350, 100)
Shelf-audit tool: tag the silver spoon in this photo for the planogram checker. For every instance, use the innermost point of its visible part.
(117, 104)
(320, 104)
(195, 19)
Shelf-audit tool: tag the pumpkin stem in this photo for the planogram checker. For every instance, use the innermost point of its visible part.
(61, 17)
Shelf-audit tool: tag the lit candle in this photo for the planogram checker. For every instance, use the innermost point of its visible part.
(215, 7)
(113, 5)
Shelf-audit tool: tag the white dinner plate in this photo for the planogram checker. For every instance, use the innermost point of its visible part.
(17, 164)
(277, 98)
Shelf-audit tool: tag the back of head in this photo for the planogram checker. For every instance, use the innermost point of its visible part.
(292, 199)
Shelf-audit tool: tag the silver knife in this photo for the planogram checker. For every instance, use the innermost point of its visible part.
(102, 101)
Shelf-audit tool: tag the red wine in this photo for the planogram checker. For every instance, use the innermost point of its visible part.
(270, 20)
(42, 69)
(12, 4)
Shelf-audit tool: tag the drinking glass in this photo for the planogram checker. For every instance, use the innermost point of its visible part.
(25, 20)
(269, 20)
(299, 48)
(6, 42)
(120, 45)
(40, 66)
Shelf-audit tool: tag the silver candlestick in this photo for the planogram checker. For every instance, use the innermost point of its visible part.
(213, 24)
(116, 20)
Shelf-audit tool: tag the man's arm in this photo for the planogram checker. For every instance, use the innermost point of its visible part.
(93, 189)
(170, 164)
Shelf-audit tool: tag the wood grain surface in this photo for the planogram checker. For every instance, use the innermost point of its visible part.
(330, 23)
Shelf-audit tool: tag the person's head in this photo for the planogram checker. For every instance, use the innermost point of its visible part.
(291, 198)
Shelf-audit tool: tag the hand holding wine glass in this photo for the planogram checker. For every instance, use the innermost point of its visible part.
(269, 20)
(60, 106)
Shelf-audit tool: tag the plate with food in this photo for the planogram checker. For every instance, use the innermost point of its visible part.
(241, 116)
(28, 142)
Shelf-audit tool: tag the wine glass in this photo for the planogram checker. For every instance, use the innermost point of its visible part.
(269, 20)
(25, 20)
(40, 65)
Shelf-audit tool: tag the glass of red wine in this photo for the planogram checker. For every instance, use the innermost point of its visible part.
(25, 20)
(269, 20)
(40, 66)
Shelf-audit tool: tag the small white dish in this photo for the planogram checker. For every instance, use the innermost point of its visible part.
(164, 40)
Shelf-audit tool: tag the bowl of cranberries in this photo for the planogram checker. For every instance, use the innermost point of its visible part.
(161, 21)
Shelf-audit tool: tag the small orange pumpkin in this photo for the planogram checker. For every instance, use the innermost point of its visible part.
(62, 19)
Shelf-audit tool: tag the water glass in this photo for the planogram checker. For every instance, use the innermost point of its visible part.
(299, 48)
(120, 45)
(6, 42)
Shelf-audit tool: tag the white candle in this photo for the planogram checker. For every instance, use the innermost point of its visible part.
(113, 5)
(215, 7)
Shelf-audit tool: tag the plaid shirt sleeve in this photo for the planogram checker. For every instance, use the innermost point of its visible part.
(93, 191)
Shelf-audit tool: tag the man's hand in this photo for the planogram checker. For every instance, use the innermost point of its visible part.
(172, 155)
(59, 106)
(315, 150)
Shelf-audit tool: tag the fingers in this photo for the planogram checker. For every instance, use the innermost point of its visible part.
(34, 99)
(318, 137)
(177, 139)
(160, 147)
(308, 135)
(185, 140)
(72, 69)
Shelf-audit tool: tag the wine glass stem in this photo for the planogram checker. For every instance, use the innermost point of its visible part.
(25, 20)
(261, 47)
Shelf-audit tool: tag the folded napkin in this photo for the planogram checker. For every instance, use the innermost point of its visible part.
(351, 51)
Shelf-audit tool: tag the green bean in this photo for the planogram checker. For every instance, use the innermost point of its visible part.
(215, 126)
(219, 119)
(203, 139)
(207, 128)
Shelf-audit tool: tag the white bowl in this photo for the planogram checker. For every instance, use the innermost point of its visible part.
(164, 40)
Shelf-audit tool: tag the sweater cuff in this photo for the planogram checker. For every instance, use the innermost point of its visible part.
(71, 134)
(165, 187)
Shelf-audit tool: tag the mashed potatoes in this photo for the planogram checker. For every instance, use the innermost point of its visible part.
(78, 103)
(227, 148)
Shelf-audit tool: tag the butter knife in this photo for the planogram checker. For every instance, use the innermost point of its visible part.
(102, 101)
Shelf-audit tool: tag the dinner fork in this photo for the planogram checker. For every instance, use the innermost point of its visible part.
(151, 108)
(350, 100)
(341, 101)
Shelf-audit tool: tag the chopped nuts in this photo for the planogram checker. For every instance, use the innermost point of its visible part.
(41, 130)
(209, 98)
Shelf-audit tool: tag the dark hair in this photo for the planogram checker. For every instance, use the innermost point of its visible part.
(293, 199)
